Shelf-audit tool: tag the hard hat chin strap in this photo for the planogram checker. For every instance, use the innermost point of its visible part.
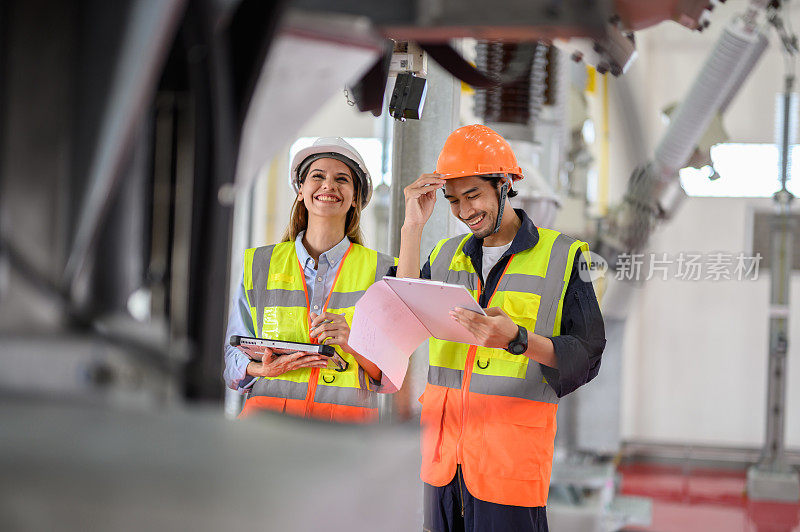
(502, 205)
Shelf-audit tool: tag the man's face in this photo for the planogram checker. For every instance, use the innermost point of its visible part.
(473, 200)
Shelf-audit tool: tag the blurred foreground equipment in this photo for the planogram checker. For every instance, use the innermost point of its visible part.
(87, 469)
(121, 135)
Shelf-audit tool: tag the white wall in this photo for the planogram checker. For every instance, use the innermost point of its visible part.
(695, 353)
(695, 358)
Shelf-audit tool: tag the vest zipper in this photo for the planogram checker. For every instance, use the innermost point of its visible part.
(465, 388)
(312, 388)
(460, 489)
(468, 369)
(465, 399)
(314, 376)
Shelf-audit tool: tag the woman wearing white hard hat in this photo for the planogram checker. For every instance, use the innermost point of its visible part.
(304, 289)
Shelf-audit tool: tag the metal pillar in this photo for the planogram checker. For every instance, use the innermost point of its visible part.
(416, 146)
(772, 478)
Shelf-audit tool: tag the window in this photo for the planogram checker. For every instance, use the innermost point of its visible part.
(745, 170)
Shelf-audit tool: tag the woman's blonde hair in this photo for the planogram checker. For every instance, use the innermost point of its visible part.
(298, 219)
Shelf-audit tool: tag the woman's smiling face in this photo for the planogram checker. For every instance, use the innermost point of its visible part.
(328, 189)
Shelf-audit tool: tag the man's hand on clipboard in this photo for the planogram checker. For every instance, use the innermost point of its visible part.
(496, 329)
(330, 329)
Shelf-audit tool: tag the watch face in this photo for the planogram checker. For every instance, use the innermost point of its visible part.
(519, 344)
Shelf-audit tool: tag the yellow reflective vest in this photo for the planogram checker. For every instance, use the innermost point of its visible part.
(276, 292)
(487, 409)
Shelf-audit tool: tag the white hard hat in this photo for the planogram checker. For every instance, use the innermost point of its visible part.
(334, 148)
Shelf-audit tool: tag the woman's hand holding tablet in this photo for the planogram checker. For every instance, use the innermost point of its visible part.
(273, 365)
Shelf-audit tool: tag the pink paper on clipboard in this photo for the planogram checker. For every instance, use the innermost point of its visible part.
(395, 316)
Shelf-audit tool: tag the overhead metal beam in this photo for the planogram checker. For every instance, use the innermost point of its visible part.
(441, 20)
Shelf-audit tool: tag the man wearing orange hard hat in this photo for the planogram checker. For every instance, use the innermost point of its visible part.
(489, 409)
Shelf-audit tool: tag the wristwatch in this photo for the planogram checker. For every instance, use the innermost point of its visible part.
(519, 345)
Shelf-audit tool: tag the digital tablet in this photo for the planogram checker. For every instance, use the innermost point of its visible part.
(252, 348)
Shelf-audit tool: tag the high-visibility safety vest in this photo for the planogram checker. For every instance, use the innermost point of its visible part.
(276, 292)
(487, 409)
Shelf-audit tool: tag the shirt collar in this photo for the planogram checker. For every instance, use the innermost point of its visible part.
(333, 256)
(527, 236)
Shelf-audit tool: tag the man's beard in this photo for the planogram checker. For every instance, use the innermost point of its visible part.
(488, 222)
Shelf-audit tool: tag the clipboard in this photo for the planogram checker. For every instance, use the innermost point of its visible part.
(431, 303)
(251, 347)
(395, 316)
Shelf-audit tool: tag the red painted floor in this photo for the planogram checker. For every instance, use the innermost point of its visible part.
(704, 500)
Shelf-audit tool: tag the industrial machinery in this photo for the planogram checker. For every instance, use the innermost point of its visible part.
(128, 133)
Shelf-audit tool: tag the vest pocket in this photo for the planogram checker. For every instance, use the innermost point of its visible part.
(431, 420)
(260, 403)
(515, 437)
(522, 308)
(352, 414)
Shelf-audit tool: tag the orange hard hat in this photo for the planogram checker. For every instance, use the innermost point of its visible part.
(477, 150)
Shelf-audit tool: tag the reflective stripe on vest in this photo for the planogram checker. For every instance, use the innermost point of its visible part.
(530, 291)
(275, 289)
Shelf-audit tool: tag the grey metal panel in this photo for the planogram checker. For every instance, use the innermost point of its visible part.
(473, 18)
(36, 136)
(150, 29)
(597, 406)
(762, 240)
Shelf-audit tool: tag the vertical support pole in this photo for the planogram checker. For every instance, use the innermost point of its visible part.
(772, 478)
(780, 279)
(416, 146)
